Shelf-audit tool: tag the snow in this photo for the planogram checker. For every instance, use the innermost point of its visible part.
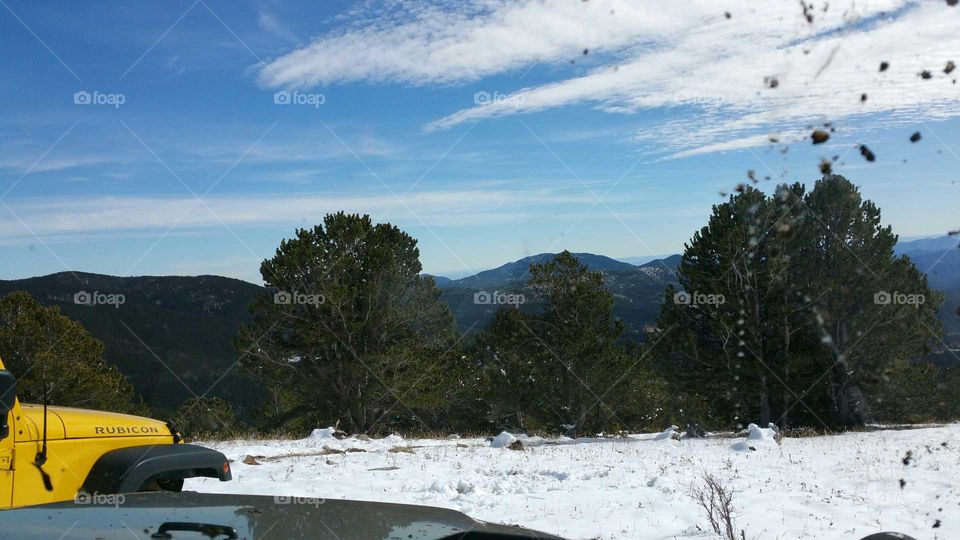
(757, 439)
(667, 434)
(322, 434)
(503, 440)
(843, 486)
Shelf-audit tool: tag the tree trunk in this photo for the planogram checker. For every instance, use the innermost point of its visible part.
(764, 402)
(854, 406)
(784, 420)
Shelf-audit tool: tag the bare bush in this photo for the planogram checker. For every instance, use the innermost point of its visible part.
(717, 503)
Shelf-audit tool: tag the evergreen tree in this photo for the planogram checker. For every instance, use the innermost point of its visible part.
(802, 279)
(732, 318)
(872, 309)
(513, 367)
(353, 334)
(563, 367)
(911, 394)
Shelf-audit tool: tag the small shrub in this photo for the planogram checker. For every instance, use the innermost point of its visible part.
(716, 501)
(204, 417)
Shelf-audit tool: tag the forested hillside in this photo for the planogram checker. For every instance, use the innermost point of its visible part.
(186, 325)
(171, 336)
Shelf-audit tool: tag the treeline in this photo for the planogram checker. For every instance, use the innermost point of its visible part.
(793, 309)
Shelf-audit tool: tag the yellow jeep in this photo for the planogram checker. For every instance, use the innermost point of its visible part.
(51, 454)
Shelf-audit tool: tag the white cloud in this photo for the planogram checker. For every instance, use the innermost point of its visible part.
(421, 43)
(68, 217)
(684, 55)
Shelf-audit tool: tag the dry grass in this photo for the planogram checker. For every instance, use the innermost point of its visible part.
(289, 434)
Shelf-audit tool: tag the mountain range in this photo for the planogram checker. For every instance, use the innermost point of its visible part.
(939, 259)
(637, 290)
(173, 336)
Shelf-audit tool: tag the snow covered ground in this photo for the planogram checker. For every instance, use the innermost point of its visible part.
(845, 486)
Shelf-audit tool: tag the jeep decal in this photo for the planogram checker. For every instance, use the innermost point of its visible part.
(123, 430)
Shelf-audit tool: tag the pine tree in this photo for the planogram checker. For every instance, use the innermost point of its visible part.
(353, 334)
(872, 309)
(802, 334)
(513, 369)
(724, 350)
(562, 368)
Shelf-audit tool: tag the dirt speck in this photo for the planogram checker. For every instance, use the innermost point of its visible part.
(819, 136)
(807, 11)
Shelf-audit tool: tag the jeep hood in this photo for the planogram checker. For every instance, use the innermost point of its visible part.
(70, 423)
(142, 515)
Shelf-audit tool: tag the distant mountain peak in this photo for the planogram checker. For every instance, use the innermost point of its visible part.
(671, 262)
(518, 270)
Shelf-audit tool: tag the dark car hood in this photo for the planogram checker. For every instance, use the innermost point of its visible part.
(252, 516)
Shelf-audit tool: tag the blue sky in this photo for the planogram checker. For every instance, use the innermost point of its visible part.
(480, 128)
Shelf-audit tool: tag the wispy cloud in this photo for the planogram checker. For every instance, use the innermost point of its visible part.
(686, 55)
(271, 23)
(22, 164)
(71, 216)
(423, 43)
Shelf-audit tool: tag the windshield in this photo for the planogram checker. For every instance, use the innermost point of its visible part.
(596, 268)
